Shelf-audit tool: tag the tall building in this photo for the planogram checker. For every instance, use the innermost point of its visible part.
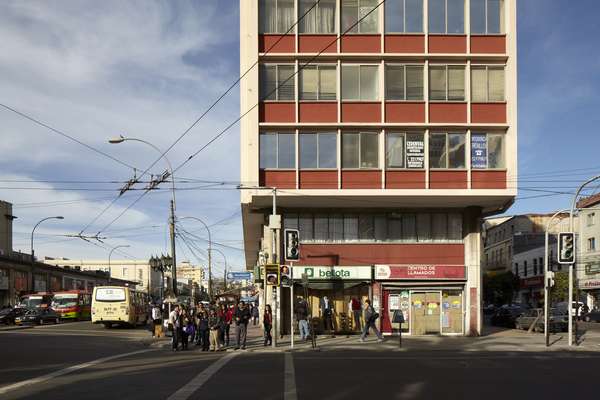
(6, 221)
(388, 129)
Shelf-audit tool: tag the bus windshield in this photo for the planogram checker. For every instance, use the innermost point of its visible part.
(110, 294)
(65, 300)
(31, 301)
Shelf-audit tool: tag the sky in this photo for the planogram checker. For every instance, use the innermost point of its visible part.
(148, 69)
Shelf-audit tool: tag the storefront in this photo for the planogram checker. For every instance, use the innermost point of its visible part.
(591, 288)
(339, 284)
(431, 298)
(532, 291)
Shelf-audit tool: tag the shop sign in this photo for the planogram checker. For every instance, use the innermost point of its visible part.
(3, 279)
(535, 281)
(333, 273)
(386, 272)
(479, 151)
(589, 283)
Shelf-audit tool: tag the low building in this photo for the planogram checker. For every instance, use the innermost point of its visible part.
(6, 221)
(588, 259)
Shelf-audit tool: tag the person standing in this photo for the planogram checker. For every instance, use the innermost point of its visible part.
(156, 319)
(370, 318)
(255, 315)
(221, 314)
(268, 325)
(242, 316)
(214, 324)
(302, 318)
(326, 307)
(356, 312)
(227, 324)
(173, 327)
(203, 330)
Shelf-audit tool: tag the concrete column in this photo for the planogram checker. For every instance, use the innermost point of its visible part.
(472, 240)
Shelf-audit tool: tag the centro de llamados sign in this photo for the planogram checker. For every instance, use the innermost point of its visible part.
(387, 272)
(333, 273)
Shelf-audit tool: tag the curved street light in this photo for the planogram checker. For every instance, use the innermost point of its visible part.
(32, 250)
(112, 250)
(225, 272)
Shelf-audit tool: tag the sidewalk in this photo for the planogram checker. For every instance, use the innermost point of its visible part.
(14, 327)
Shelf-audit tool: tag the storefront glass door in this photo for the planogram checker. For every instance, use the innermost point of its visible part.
(425, 313)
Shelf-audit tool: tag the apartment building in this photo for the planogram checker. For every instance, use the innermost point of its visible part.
(389, 129)
(588, 258)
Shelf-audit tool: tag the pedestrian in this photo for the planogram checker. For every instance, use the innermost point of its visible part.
(203, 331)
(185, 332)
(326, 307)
(227, 324)
(221, 314)
(214, 324)
(173, 327)
(268, 325)
(356, 312)
(302, 318)
(255, 315)
(370, 318)
(242, 317)
(156, 319)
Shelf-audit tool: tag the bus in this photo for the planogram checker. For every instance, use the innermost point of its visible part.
(73, 304)
(118, 305)
(35, 300)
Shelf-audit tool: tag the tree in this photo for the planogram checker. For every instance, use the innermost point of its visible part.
(500, 288)
(560, 290)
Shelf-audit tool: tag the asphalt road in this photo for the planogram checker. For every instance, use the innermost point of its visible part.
(143, 371)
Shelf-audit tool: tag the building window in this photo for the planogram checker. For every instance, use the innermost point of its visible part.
(517, 269)
(318, 82)
(363, 10)
(404, 82)
(447, 83)
(360, 82)
(360, 150)
(541, 262)
(524, 268)
(318, 150)
(124, 272)
(487, 151)
(277, 82)
(591, 219)
(487, 17)
(404, 16)
(591, 244)
(276, 16)
(320, 19)
(404, 150)
(447, 150)
(535, 267)
(446, 16)
(487, 84)
(277, 150)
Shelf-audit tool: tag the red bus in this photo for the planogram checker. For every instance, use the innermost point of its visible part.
(73, 304)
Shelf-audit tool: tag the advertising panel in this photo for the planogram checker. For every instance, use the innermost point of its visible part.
(387, 272)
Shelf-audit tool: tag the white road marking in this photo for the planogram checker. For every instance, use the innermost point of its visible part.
(200, 379)
(43, 378)
(289, 383)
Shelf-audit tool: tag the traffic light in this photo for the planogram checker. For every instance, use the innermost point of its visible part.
(550, 279)
(272, 271)
(566, 248)
(292, 244)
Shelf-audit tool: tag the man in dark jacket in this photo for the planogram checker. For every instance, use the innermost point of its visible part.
(326, 307)
(302, 318)
(241, 317)
(370, 318)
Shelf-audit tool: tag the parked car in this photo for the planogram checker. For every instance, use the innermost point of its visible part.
(8, 315)
(506, 316)
(557, 322)
(592, 316)
(38, 316)
(490, 309)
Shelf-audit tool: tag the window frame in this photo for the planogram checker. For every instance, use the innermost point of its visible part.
(487, 151)
(260, 22)
(293, 168)
(591, 245)
(487, 68)
(317, 9)
(277, 84)
(360, 137)
(446, 83)
(404, 135)
(447, 152)
(404, 69)
(405, 31)
(345, 31)
(463, 33)
(359, 99)
(318, 167)
(501, 20)
(318, 67)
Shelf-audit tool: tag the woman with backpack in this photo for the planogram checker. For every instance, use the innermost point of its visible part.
(370, 318)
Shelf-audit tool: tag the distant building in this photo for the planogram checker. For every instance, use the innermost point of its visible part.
(6, 221)
(588, 258)
(194, 273)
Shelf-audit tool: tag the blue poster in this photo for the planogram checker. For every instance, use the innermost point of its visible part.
(479, 151)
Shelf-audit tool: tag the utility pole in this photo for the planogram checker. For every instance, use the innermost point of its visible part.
(275, 257)
(172, 233)
(547, 277)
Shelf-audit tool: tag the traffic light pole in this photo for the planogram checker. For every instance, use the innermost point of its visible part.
(547, 276)
(275, 258)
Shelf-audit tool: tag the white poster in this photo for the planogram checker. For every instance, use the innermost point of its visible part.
(415, 154)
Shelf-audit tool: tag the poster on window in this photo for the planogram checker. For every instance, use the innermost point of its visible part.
(479, 151)
(415, 154)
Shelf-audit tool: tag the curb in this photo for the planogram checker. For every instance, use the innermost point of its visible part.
(16, 328)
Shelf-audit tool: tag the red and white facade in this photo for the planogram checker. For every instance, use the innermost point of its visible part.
(387, 149)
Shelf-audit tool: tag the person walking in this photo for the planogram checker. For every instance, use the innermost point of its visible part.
(302, 318)
(221, 314)
(214, 324)
(326, 307)
(356, 313)
(173, 327)
(156, 319)
(242, 317)
(370, 318)
(255, 315)
(203, 330)
(268, 325)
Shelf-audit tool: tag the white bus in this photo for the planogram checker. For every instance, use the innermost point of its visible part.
(118, 305)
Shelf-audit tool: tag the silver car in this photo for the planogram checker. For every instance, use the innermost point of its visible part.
(558, 321)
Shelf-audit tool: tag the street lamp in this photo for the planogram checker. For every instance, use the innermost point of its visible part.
(32, 250)
(225, 272)
(121, 139)
(109, 256)
(209, 255)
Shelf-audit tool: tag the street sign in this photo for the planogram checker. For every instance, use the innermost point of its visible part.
(292, 244)
(566, 248)
(239, 276)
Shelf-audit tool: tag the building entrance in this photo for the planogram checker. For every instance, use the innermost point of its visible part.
(425, 313)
